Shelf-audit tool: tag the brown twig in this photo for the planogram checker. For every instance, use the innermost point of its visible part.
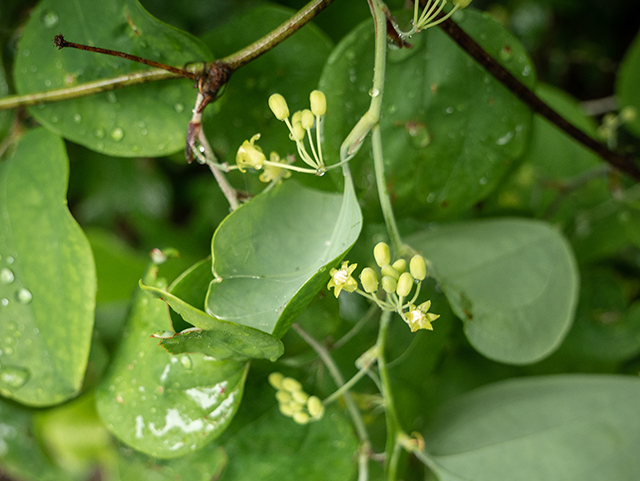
(625, 163)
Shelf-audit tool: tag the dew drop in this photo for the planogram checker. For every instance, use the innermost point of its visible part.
(6, 276)
(47, 83)
(178, 107)
(374, 92)
(117, 134)
(50, 19)
(4, 302)
(448, 110)
(112, 98)
(186, 362)
(144, 131)
(526, 71)
(34, 68)
(54, 119)
(77, 118)
(14, 377)
(25, 52)
(24, 296)
(483, 181)
(99, 133)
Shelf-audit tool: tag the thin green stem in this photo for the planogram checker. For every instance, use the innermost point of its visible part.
(347, 385)
(290, 167)
(356, 329)
(89, 88)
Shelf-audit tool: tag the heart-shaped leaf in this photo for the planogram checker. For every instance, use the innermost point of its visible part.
(272, 255)
(450, 129)
(144, 120)
(553, 428)
(47, 277)
(164, 405)
(513, 282)
(216, 338)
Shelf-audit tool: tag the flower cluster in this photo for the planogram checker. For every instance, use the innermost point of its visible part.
(396, 281)
(430, 13)
(293, 401)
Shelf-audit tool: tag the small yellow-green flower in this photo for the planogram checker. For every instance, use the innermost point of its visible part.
(272, 172)
(341, 279)
(419, 317)
(250, 155)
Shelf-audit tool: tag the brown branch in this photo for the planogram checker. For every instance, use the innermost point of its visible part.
(625, 163)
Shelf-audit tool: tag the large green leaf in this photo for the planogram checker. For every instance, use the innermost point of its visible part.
(450, 130)
(272, 255)
(216, 338)
(47, 277)
(540, 429)
(292, 69)
(146, 120)
(513, 282)
(5, 116)
(164, 405)
(627, 83)
(274, 448)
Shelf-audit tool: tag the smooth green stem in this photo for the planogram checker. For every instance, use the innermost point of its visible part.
(393, 423)
(347, 385)
(358, 422)
(356, 329)
(290, 167)
(82, 90)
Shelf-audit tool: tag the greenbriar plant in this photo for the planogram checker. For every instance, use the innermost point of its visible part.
(233, 361)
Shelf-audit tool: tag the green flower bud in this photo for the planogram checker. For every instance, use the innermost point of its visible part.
(318, 103)
(283, 396)
(462, 3)
(278, 106)
(400, 266)
(275, 379)
(315, 407)
(306, 119)
(628, 114)
(296, 407)
(300, 397)
(418, 267)
(389, 284)
(405, 283)
(301, 417)
(369, 280)
(390, 271)
(286, 410)
(298, 132)
(382, 254)
(291, 385)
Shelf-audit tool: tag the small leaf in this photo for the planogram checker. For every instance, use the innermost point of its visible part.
(219, 339)
(627, 83)
(163, 405)
(273, 254)
(513, 282)
(144, 120)
(450, 129)
(47, 277)
(552, 428)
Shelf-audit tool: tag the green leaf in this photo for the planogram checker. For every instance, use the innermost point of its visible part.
(47, 277)
(216, 338)
(145, 120)
(274, 448)
(583, 427)
(5, 116)
(450, 130)
(513, 282)
(163, 405)
(627, 84)
(292, 69)
(273, 254)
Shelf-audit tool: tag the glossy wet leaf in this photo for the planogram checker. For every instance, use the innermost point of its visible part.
(47, 277)
(513, 282)
(450, 130)
(552, 428)
(5, 116)
(273, 254)
(216, 338)
(292, 69)
(145, 120)
(275, 448)
(164, 405)
(21, 454)
(627, 83)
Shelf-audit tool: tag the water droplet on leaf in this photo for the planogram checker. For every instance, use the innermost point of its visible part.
(6, 276)
(24, 296)
(178, 107)
(186, 362)
(112, 97)
(117, 134)
(14, 377)
(99, 133)
(50, 19)
(77, 118)
(374, 92)
(4, 302)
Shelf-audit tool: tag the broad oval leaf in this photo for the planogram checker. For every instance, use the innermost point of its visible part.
(163, 405)
(450, 129)
(144, 120)
(216, 338)
(552, 428)
(272, 255)
(513, 282)
(627, 84)
(47, 277)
